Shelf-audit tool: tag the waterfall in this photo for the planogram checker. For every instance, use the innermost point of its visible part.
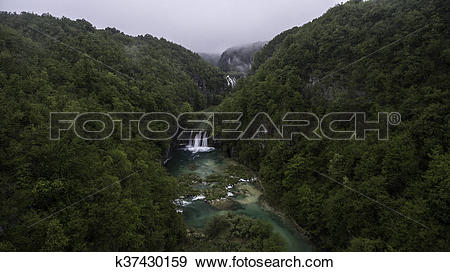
(190, 139)
(197, 140)
(205, 140)
(231, 81)
(199, 143)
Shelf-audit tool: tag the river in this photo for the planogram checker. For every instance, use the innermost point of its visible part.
(197, 213)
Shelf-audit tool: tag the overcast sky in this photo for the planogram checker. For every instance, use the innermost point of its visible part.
(201, 25)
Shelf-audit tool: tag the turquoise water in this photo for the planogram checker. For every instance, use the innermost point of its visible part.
(198, 213)
(201, 164)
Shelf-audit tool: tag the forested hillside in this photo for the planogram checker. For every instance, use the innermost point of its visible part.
(113, 195)
(363, 56)
(50, 65)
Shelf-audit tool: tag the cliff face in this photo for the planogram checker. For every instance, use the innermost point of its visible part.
(238, 60)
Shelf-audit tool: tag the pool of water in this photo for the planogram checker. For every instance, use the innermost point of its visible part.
(198, 213)
(201, 164)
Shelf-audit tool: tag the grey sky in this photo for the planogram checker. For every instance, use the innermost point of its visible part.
(200, 25)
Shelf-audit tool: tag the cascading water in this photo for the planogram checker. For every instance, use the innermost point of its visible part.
(205, 140)
(190, 140)
(199, 143)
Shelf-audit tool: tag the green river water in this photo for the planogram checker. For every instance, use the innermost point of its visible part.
(197, 213)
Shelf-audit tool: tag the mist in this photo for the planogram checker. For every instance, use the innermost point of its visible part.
(208, 26)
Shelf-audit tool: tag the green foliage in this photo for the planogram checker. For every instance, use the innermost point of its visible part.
(233, 232)
(306, 69)
(39, 177)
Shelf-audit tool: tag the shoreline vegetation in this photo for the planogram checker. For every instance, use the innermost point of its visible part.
(301, 231)
(243, 187)
(266, 205)
(287, 219)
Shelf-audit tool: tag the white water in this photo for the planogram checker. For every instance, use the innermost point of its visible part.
(199, 143)
(231, 81)
(199, 197)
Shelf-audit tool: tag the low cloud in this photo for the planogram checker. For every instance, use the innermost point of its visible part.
(200, 25)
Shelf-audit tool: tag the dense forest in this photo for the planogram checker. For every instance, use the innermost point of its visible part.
(231, 232)
(49, 64)
(361, 56)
